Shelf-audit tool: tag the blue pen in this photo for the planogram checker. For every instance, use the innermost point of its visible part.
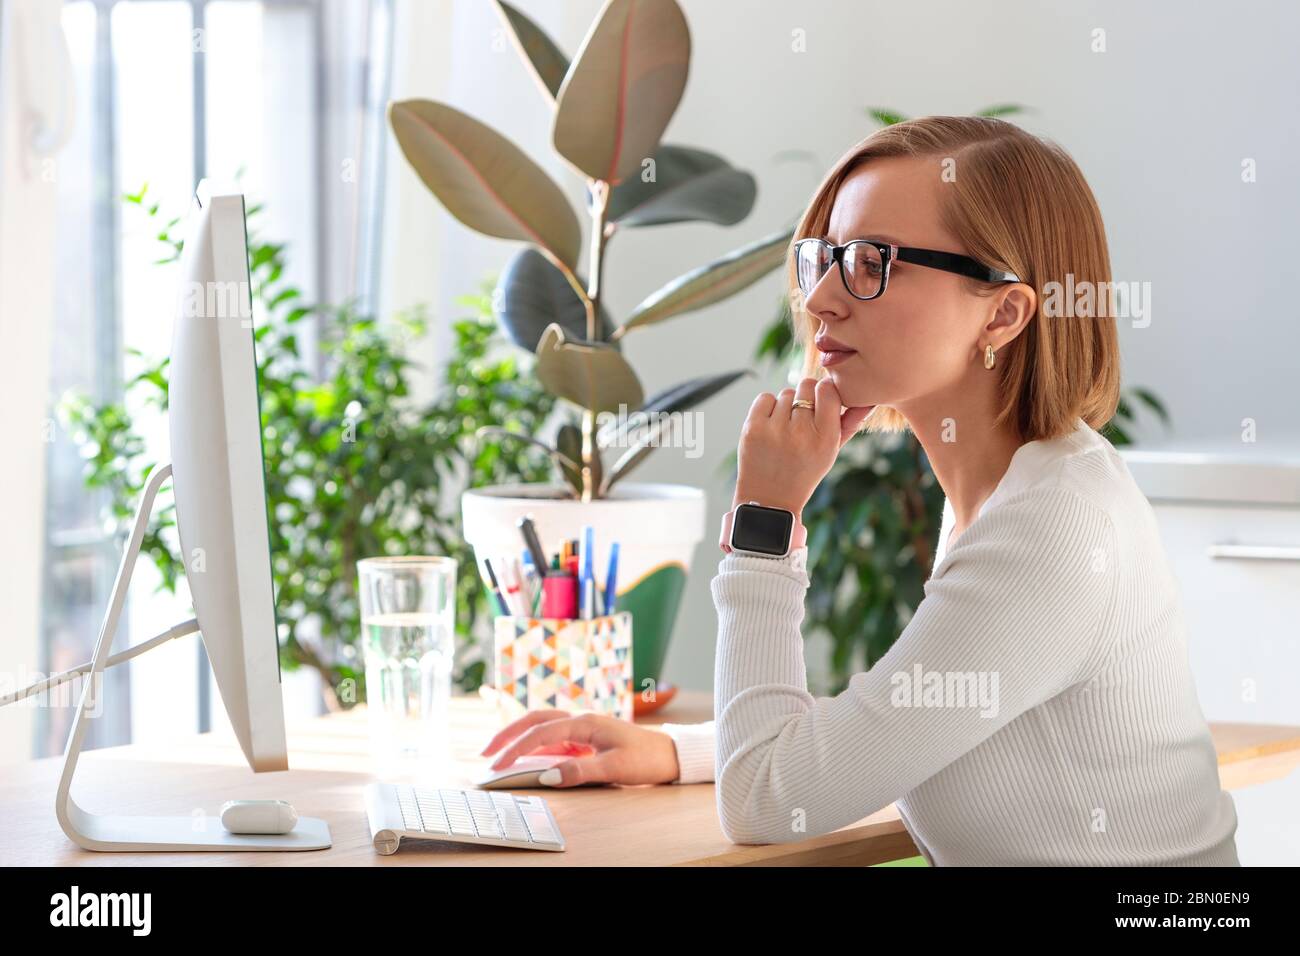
(611, 576)
(532, 580)
(586, 577)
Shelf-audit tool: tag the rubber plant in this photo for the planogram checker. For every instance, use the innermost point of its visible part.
(609, 107)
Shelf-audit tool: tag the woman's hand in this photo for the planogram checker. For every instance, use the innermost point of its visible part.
(605, 749)
(785, 451)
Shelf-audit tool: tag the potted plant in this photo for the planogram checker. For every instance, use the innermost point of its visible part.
(610, 107)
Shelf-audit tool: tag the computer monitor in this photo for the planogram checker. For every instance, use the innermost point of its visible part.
(218, 474)
(218, 478)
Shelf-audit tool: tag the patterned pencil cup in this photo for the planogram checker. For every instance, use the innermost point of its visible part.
(564, 664)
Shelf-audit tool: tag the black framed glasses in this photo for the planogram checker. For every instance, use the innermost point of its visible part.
(864, 265)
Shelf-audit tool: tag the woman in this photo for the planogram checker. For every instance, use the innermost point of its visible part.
(1038, 708)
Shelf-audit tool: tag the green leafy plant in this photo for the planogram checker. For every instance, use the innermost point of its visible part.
(355, 466)
(610, 107)
(886, 117)
(874, 520)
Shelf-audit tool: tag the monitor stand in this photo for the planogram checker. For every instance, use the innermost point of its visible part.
(192, 832)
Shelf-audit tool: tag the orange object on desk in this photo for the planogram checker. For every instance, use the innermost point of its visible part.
(663, 694)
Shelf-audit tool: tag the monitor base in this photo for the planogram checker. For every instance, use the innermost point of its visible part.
(195, 832)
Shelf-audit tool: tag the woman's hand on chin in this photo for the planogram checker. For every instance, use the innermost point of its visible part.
(786, 451)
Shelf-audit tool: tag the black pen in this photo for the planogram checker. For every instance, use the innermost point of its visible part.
(534, 544)
(503, 607)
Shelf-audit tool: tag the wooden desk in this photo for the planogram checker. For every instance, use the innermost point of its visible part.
(653, 826)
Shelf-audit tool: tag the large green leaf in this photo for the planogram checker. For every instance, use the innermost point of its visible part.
(885, 117)
(890, 117)
(623, 87)
(1149, 398)
(657, 421)
(539, 51)
(637, 453)
(533, 294)
(1003, 109)
(484, 180)
(690, 393)
(590, 374)
(712, 282)
(689, 185)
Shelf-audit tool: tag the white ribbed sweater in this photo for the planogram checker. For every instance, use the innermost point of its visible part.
(1054, 719)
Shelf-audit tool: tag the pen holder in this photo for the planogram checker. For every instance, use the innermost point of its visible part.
(565, 664)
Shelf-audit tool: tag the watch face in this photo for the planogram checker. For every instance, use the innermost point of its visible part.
(765, 530)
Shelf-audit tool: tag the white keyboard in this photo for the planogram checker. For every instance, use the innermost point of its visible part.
(485, 817)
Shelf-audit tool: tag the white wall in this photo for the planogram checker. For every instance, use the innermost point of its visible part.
(1159, 123)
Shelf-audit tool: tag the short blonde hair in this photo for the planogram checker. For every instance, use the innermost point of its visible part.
(1020, 204)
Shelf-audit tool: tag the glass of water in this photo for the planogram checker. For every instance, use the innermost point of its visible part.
(408, 617)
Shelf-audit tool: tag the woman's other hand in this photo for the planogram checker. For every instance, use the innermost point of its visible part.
(785, 451)
(606, 749)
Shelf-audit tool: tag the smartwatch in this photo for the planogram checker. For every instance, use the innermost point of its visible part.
(764, 532)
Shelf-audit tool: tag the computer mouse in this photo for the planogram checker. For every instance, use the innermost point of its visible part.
(522, 773)
(258, 816)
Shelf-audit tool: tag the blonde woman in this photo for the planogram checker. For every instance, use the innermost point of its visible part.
(1038, 708)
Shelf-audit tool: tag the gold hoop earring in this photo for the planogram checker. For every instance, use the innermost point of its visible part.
(989, 357)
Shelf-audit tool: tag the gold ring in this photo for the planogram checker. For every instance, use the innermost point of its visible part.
(803, 403)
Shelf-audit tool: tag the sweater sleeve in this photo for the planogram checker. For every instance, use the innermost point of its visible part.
(1011, 617)
(694, 744)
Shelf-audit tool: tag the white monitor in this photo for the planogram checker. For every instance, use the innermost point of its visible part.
(218, 478)
(218, 473)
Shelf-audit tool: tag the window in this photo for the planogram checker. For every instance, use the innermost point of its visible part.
(287, 96)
